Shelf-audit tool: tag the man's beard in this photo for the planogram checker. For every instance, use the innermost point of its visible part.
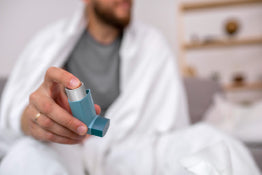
(109, 18)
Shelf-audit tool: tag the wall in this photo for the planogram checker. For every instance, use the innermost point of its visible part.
(20, 20)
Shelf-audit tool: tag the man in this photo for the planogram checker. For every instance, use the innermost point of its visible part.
(94, 49)
(128, 66)
(133, 76)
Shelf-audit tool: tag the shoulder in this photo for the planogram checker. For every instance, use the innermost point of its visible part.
(33, 52)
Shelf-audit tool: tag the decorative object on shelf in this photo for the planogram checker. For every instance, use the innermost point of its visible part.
(210, 39)
(239, 79)
(232, 26)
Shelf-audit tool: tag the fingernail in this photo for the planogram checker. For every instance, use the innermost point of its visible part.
(74, 83)
(81, 130)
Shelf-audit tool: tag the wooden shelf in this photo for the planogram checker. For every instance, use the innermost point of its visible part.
(224, 43)
(218, 43)
(247, 86)
(216, 4)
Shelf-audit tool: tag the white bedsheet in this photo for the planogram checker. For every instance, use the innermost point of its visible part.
(199, 150)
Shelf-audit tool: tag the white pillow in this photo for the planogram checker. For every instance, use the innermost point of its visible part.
(243, 122)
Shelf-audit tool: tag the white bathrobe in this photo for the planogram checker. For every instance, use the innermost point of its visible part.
(150, 108)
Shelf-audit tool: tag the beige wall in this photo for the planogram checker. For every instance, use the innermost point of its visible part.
(19, 21)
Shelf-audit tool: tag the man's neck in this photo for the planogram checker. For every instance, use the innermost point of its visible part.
(101, 32)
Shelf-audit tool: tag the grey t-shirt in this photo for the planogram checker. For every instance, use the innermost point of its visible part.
(97, 65)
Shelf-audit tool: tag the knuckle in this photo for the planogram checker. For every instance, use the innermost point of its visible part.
(33, 97)
(47, 107)
(47, 123)
(50, 70)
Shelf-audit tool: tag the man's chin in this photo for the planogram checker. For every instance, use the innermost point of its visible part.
(123, 23)
(120, 22)
(117, 19)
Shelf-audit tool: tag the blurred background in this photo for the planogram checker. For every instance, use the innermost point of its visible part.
(218, 44)
(197, 33)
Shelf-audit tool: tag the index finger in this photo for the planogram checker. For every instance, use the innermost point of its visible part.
(58, 75)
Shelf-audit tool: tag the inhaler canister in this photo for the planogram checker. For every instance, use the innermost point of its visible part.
(82, 107)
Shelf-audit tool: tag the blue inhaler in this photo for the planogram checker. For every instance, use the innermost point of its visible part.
(82, 107)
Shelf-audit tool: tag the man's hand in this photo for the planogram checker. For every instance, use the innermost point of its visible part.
(48, 116)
